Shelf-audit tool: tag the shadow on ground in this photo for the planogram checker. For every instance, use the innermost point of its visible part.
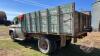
(74, 50)
(71, 50)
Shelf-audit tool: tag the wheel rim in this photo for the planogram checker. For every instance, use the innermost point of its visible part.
(12, 35)
(43, 45)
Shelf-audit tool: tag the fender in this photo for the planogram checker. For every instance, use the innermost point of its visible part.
(12, 29)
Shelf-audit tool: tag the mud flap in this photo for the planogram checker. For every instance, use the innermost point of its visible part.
(74, 40)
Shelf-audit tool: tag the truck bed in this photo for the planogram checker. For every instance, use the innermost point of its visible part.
(60, 20)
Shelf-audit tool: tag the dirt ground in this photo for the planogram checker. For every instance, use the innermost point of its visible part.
(92, 42)
(6, 51)
(10, 52)
(93, 38)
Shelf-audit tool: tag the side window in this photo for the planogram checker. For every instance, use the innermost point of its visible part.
(16, 22)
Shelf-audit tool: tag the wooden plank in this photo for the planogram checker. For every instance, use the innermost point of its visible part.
(33, 22)
(44, 26)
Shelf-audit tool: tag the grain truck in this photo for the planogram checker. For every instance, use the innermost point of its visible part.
(53, 27)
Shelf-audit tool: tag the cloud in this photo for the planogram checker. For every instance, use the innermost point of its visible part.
(11, 14)
(10, 17)
(10, 11)
(28, 2)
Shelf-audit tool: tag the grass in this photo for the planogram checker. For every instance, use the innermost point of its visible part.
(7, 43)
(30, 48)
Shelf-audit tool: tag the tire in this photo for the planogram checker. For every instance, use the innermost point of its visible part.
(46, 45)
(68, 42)
(13, 36)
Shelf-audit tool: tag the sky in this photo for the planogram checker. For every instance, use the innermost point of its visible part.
(14, 8)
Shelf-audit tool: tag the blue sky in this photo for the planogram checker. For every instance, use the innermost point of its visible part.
(16, 7)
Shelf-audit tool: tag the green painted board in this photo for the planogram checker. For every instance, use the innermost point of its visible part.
(33, 22)
(27, 23)
(52, 20)
(43, 19)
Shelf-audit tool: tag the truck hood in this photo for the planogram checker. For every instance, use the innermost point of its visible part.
(12, 26)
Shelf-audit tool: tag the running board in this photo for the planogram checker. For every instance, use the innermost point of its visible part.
(19, 39)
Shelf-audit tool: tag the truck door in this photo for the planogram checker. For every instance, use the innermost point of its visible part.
(18, 30)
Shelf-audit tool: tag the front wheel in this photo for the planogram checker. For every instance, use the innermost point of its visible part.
(13, 36)
(46, 45)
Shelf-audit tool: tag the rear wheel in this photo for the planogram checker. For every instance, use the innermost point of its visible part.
(46, 45)
(68, 42)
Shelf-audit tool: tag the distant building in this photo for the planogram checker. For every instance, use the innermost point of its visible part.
(3, 16)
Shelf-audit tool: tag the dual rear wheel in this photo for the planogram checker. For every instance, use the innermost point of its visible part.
(47, 45)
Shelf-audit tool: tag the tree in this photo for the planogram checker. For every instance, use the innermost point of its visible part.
(3, 16)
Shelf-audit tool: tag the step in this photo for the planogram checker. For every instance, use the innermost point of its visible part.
(19, 39)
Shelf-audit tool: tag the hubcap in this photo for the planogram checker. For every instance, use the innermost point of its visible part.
(12, 35)
(43, 45)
